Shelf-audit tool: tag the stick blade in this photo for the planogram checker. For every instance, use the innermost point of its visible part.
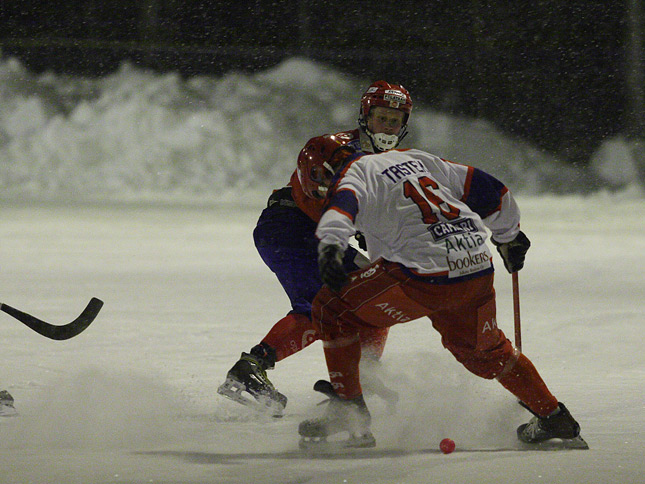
(54, 332)
(81, 323)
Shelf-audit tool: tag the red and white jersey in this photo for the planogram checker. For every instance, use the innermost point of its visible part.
(424, 212)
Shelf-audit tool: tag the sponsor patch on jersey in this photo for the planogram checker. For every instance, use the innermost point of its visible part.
(464, 263)
(442, 230)
(462, 243)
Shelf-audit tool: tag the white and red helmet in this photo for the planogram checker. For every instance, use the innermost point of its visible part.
(318, 162)
(395, 96)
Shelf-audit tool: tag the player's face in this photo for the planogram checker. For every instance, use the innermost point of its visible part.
(385, 120)
(321, 175)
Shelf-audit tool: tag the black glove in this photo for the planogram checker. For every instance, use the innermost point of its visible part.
(330, 265)
(513, 252)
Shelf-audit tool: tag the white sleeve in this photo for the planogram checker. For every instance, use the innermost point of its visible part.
(334, 228)
(336, 225)
(505, 222)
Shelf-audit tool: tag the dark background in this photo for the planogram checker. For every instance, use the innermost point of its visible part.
(551, 72)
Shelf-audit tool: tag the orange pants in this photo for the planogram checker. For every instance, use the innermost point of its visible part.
(463, 313)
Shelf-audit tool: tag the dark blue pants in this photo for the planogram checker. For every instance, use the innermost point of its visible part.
(285, 238)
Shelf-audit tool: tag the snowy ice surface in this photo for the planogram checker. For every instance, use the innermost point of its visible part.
(129, 188)
(133, 398)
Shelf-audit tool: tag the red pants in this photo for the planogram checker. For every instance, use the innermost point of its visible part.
(464, 313)
(296, 331)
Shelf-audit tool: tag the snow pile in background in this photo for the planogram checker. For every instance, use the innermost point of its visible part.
(139, 135)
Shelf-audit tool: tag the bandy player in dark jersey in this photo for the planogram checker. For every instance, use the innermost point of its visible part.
(286, 241)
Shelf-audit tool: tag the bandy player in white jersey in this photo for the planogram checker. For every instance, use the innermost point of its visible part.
(424, 220)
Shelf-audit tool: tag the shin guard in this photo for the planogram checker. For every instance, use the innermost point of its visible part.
(343, 355)
(291, 334)
(524, 381)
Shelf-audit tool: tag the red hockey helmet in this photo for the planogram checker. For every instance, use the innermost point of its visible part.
(382, 93)
(318, 161)
(395, 96)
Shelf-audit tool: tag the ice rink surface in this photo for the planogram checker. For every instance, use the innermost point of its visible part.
(133, 398)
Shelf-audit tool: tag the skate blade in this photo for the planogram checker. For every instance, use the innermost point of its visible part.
(237, 392)
(558, 444)
(322, 445)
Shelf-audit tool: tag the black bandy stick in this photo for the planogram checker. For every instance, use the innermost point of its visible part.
(65, 331)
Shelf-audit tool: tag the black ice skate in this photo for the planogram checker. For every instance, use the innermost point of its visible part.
(249, 376)
(350, 416)
(6, 404)
(559, 430)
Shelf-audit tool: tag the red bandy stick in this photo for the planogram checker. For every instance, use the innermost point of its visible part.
(516, 311)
